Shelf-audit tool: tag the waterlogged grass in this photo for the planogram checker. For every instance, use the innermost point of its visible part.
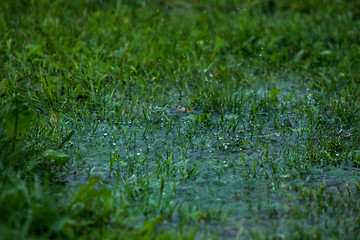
(180, 119)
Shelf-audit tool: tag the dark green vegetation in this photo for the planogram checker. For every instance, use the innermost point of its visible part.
(179, 119)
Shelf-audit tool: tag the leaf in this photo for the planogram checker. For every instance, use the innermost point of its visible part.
(326, 52)
(33, 50)
(17, 117)
(86, 188)
(60, 159)
(299, 55)
(203, 117)
(53, 118)
(161, 188)
(229, 117)
(273, 94)
(3, 86)
(67, 138)
(187, 110)
(113, 158)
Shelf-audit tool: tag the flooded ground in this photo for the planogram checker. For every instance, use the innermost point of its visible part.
(268, 170)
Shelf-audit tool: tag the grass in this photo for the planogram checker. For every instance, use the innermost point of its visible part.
(179, 119)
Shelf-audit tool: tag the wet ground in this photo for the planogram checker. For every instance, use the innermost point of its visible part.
(240, 175)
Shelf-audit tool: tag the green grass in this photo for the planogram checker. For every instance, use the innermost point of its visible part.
(179, 119)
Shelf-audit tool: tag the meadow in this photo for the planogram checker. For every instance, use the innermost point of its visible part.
(217, 119)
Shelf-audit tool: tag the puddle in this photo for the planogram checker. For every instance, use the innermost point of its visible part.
(249, 175)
